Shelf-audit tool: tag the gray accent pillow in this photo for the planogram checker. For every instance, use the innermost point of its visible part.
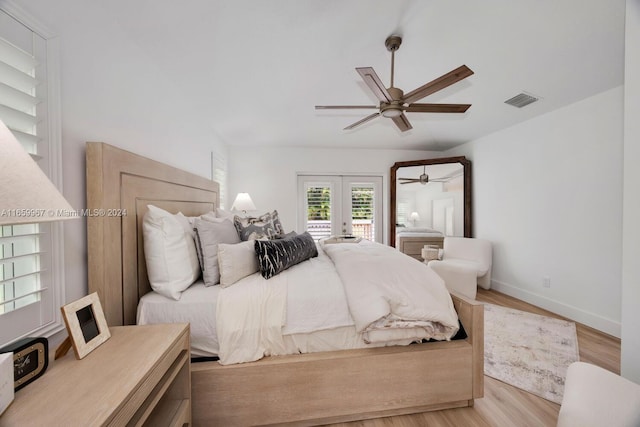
(253, 228)
(208, 235)
(275, 256)
(289, 234)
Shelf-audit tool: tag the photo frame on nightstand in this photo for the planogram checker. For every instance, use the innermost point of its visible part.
(86, 324)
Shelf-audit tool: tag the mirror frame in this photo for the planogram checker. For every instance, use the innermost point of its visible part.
(466, 164)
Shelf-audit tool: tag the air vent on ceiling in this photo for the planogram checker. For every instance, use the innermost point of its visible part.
(522, 99)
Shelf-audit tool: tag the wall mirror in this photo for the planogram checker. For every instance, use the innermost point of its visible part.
(430, 196)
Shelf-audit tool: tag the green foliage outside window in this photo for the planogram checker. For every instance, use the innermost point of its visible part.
(319, 203)
(362, 203)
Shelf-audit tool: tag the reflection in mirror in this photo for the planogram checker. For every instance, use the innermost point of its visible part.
(430, 199)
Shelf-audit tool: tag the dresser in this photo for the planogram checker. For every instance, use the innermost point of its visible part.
(412, 245)
(139, 376)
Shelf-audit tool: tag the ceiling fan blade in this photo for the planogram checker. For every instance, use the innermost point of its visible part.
(411, 182)
(437, 108)
(402, 122)
(359, 122)
(440, 83)
(343, 107)
(374, 83)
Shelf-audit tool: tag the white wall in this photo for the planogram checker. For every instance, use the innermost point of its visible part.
(111, 94)
(631, 225)
(548, 194)
(269, 174)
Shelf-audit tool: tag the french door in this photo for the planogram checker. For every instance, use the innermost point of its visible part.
(331, 205)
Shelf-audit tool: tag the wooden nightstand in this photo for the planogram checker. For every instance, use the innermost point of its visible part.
(140, 376)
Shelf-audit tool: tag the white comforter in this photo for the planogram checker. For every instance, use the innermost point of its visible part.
(388, 290)
(387, 296)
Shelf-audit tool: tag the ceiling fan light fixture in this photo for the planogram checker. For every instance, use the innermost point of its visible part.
(391, 112)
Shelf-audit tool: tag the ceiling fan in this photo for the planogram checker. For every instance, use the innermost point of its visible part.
(394, 103)
(423, 179)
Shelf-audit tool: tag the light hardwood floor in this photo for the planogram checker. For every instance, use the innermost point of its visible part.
(502, 404)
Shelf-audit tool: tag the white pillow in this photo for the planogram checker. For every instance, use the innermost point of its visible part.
(185, 221)
(170, 253)
(188, 222)
(209, 216)
(222, 213)
(236, 261)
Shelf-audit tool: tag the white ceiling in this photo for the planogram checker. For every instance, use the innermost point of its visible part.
(257, 68)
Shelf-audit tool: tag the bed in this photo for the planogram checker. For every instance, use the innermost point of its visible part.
(411, 240)
(302, 388)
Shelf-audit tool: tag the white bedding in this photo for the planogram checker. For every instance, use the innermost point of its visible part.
(419, 230)
(305, 308)
(387, 290)
(418, 234)
(255, 315)
(196, 306)
(252, 314)
(317, 316)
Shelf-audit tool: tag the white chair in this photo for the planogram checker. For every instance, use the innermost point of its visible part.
(466, 264)
(595, 397)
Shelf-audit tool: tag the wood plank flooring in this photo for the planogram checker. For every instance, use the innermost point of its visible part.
(502, 404)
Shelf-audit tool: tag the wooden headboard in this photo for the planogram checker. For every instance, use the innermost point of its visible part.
(120, 185)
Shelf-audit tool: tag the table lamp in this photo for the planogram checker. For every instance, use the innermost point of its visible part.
(243, 203)
(414, 217)
(26, 194)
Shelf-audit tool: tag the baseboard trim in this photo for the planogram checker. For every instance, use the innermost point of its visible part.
(576, 314)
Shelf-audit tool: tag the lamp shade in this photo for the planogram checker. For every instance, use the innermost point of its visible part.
(243, 203)
(26, 194)
(414, 216)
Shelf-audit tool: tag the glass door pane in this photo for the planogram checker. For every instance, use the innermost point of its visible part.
(339, 205)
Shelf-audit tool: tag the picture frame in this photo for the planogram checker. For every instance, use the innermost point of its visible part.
(86, 324)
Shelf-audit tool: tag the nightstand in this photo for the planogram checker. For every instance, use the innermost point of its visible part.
(140, 376)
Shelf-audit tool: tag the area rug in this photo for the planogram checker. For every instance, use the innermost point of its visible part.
(528, 351)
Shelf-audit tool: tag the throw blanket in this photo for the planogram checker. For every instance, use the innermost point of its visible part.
(386, 289)
(249, 318)
(254, 314)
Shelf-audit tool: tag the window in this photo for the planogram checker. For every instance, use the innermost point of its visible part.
(403, 208)
(362, 211)
(219, 172)
(333, 205)
(31, 256)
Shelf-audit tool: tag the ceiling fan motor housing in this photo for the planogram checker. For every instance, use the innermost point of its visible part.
(395, 107)
(393, 43)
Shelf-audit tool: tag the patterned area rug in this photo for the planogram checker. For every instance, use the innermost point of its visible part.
(528, 351)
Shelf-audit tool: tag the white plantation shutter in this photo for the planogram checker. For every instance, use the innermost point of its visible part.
(19, 266)
(318, 210)
(30, 254)
(402, 211)
(219, 173)
(362, 211)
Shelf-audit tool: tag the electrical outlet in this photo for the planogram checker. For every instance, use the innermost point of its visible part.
(546, 282)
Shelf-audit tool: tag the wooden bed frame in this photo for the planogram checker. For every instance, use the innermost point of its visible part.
(302, 389)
